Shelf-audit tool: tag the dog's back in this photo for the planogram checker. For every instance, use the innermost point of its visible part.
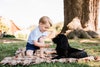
(79, 54)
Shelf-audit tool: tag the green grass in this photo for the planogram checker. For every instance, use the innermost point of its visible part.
(50, 65)
(8, 49)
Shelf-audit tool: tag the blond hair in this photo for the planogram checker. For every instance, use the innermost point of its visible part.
(45, 20)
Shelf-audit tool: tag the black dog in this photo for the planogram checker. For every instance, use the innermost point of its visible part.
(64, 50)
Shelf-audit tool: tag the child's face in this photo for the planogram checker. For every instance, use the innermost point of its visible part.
(44, 27)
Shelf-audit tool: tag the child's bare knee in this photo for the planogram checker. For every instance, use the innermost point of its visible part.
(29, 52)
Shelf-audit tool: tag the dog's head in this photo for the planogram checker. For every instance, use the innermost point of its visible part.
(60, 39)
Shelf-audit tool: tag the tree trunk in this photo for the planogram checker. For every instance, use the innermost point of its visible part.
(92, 23)
(72, 9)
(85, 10)
(99, 17)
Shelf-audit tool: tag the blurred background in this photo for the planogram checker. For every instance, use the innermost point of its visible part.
(77, 19)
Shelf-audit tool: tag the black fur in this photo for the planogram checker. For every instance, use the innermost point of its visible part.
(64, 50)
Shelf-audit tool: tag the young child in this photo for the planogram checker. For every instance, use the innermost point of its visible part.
(38, 35)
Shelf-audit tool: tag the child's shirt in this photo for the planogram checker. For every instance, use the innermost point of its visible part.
(35, 35)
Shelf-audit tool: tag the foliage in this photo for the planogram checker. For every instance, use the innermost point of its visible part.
(58, 26)
(3, 27)
(21, 36)
(9, 36)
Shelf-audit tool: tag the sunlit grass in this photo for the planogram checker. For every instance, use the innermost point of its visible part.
(8, 49)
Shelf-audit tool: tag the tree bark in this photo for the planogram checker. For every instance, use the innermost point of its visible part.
(85, 10)
(72, 9)
(92, 23)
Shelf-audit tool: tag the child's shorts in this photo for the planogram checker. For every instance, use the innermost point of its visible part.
(31, 47)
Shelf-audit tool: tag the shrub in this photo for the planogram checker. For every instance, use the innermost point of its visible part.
(9, 36)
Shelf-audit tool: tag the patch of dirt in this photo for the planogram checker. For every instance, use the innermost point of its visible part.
(9, 40)
(89, 40)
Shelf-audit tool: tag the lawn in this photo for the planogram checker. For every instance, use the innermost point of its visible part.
(92, 47)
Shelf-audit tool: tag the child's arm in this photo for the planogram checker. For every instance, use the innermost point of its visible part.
(45, 38)
(41, 45)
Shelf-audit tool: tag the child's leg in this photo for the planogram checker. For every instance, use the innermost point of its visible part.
(29, 53)
(42, 52)
(41, 40)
